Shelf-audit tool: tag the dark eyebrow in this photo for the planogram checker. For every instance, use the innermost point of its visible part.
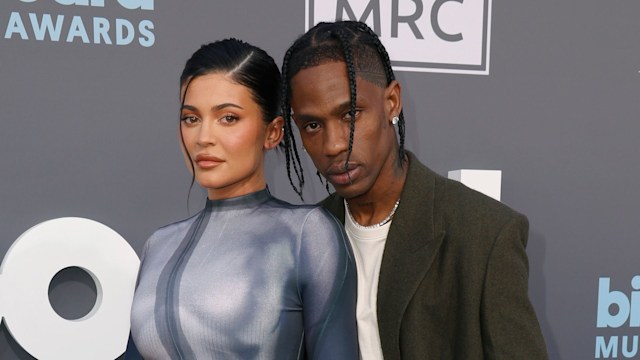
(215, 108)
(342, 108)
(339, 110)
(306, 118)
(226, 105)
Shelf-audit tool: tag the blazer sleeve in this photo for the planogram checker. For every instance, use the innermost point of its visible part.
(510, 329)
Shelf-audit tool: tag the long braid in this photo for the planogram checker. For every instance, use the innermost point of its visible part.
(348, 56)
(386, 62)
(289, 143)
(401, 135)
(323, 181)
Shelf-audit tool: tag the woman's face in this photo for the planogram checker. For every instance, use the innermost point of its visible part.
(225, 136)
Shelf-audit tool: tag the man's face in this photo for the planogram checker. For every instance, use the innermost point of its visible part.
(320, 99)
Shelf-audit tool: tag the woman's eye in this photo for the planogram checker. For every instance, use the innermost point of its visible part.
(229, 119)
(189, 119)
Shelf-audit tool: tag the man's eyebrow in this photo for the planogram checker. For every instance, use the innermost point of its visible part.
(341, 108)
(305, 117)
(338, 110)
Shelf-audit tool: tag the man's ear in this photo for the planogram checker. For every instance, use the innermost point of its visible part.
(275, 132)
(393, 99)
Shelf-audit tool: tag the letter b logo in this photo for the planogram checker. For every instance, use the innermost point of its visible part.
(628, 309)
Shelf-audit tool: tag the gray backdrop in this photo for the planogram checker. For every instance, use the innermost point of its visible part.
(90, 130)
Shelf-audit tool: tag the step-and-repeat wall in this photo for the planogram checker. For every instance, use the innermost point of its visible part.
(546, 92)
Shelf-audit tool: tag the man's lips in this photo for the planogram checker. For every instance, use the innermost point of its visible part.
(337, 175)
(205, 161)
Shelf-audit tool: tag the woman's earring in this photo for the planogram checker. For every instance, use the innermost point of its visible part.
(395, 120)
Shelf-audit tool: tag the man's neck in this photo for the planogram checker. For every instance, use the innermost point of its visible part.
(376, 204)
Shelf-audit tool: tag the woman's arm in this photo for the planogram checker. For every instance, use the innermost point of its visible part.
(328, 284)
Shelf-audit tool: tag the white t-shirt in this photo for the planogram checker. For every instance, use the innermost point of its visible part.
(368, 246)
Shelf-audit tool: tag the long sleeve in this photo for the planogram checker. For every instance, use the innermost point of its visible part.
(131, 353)
(327, 283)
(510, 327)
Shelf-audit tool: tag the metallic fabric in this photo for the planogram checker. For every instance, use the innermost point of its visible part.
(250, 277)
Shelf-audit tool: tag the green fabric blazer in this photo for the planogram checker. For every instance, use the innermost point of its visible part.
(454, 275)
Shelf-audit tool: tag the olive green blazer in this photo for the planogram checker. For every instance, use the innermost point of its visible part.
(454, 274)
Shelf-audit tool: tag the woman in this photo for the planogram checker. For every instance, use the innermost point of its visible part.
(250, 276)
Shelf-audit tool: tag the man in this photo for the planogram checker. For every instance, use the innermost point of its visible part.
(442, 269)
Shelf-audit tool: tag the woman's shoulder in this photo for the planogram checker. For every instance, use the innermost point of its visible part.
(306, 213)
(316, 226)
(167, 236)
(174, 229)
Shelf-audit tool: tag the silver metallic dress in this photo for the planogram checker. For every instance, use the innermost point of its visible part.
(250, 277)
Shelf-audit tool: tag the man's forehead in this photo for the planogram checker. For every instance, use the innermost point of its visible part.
(331, 68)
(324, 77)
(367, 62)
(335, 72)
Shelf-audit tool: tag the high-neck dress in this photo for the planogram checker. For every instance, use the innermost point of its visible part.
(250, 277)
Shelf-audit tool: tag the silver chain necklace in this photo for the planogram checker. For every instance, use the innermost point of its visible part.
(374, 226)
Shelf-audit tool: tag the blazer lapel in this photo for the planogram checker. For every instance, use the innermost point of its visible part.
(412, 244)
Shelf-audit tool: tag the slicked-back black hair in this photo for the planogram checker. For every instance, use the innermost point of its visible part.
(245, 64)
(351, 42)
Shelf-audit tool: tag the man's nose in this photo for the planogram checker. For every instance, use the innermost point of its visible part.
(336, 138)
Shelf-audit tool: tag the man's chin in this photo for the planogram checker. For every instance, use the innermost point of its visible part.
(348, 191)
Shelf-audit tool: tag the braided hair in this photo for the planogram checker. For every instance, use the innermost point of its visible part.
(359, 47)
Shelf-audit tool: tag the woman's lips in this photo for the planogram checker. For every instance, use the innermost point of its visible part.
(208, 161)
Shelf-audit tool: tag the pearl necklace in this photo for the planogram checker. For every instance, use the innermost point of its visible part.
(374, 226)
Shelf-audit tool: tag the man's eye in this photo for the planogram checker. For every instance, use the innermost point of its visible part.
(311, 127)
(347, 116)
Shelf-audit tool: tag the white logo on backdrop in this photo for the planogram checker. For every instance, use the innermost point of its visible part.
(77, 29)
(27, 270)
(617, 310)
(447, 36)
(488, 182)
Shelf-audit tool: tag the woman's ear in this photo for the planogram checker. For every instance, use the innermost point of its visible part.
(275, 132)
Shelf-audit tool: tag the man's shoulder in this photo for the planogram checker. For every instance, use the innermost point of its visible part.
(455, 194)
(471, 221)
(453, 199)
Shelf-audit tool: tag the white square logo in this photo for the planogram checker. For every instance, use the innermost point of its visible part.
(445, 36)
